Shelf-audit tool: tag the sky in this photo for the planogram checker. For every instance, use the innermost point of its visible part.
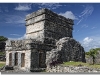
(86, 16)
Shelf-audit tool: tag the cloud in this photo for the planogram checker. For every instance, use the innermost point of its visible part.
(91, 42)
(15, 19)
(15, 34)
(86, 13)
(84, 26)
(49, 5)
(20, 38)
(93, 27)
(69, 14)
(87, 40)
(79, 21)
(23, 7)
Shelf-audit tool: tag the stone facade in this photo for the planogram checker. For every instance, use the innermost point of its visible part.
(48, 35)
(45, 26)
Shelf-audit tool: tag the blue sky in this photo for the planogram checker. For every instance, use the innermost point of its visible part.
(86, 18)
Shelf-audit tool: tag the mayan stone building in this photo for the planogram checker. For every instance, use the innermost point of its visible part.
(48, 39)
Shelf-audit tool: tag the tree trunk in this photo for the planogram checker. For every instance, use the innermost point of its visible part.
(93, 60)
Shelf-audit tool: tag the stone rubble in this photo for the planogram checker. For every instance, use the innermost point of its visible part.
(71, 69)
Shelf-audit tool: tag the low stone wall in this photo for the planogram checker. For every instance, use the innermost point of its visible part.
(72, 69)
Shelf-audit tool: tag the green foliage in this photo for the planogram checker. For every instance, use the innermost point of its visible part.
(93, 53)
(2, 38)
(2, 53)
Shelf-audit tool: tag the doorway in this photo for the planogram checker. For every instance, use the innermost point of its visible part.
(16, 59)
(42, 58)
(22, 59)
(10, 59)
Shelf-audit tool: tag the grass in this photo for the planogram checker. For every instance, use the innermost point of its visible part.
(2, 53)
(81, 63)
(2, 64)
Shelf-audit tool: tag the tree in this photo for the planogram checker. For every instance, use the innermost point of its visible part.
(2, 38)
(93, 53)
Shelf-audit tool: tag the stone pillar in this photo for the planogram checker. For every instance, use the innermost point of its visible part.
(19, 59)
(7, 58)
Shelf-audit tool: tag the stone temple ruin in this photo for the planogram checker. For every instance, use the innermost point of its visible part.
(48, 41)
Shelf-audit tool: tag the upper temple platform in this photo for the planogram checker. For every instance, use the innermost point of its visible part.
(47, 26)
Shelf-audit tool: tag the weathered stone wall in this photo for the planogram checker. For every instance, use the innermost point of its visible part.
(47, 24)
(67, 50)
(97, 58)
(27, 59)
(19, 46)
(30, 48)
(71, 69)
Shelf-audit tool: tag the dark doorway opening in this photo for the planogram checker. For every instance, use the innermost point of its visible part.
(16, 59)
(22, 59)
(42, 58)
(10, 59)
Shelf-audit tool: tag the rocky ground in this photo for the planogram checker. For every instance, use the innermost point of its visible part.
(58, 69)
(72, 69)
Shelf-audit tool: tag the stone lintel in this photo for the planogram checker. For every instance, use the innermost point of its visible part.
(28, 44)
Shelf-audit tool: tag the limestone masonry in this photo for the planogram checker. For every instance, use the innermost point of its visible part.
(48, 41)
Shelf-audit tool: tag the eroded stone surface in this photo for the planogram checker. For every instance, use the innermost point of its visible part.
(67, 50)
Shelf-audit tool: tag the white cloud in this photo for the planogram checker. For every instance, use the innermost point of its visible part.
(79, 21)
(15, 19)
(15, 34)
(93, 27)
(20, 38)
(23, 7)
(86, 13)
(87, 40)
(49, 5)
(69, 14)
(84, 26)
(91, 42)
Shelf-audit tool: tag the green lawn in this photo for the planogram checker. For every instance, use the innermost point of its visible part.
(2, 64)
(80, 63)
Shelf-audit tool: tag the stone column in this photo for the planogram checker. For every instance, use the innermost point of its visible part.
(19, 59)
